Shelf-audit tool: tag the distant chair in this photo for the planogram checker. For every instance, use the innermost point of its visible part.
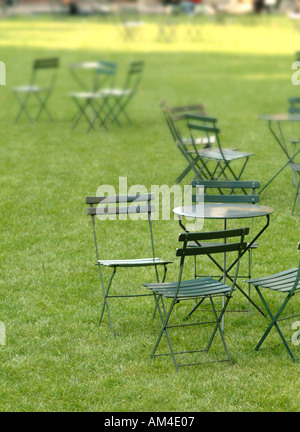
(175, 118)
(41, 85)
(220, 162)
(130, 21)
(91, 103)
(119, 98)
(168, 22)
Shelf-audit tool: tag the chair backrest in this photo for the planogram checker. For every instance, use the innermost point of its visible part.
(174, 115)
(180, 111)
(175, 132)
(105, 75)
(45, 64)
(189, 240)
(225, 191)
(294, 105)
(120, 205)
(134, 75)
(194, 244)
(207, 126)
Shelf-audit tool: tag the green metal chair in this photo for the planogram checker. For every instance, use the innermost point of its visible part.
(122, 205)
(130, 22)
(169, 294)
(286, 283)
(174, 118)
(91, 104)
(218, 160)
(168, 22)
(119, 98)
(41, 86)
(228, 191)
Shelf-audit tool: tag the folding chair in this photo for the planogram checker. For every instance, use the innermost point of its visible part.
(130, 22)
(286, 283)
(122, 205)
(194, 161)
(41, 86)
(168, 24)
(91, 104)
(204, 288)
(228, 191)
(220, 158)
(119, 98)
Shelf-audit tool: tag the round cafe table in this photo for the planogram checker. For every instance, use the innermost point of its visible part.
(227, 211)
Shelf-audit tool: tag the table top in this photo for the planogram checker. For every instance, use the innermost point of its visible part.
(281, 117)
(223, 211)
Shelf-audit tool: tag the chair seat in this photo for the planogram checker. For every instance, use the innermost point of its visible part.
(282, 281)
(229, 155)
(115, 92)
(193, 288)
(142, 262)
(133, 23)
(33, 89)
(87, 95)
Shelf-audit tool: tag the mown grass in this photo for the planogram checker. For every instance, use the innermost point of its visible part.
(56, 358)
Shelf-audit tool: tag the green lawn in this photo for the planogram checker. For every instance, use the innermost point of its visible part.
(56, 357)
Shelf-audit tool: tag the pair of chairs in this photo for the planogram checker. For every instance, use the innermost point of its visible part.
(41, 85)
(286, 283)
(206, 158)
(105, 102)
(168, 294)
(105, 206)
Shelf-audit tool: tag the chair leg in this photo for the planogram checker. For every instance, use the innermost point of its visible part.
(22, 107)
(155, 296)
(218, 327)
(105, 295)
(165, 319)
(120, 109)
(43, 106)
(273, 323)
(110, 112)
(81, 112)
